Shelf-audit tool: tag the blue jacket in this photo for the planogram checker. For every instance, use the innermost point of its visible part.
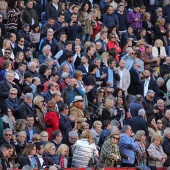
(134, 108)
(103, 3)
(41, 58)
(110, 20)
(71, 66)
(103, 136)
(128, 147)
(47, 96)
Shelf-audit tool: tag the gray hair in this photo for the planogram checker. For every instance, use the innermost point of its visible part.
(160, 79)
(135, 62)
(22, 132)
(112, 129)
(62, 66)
(31, 64)
(73, 133)
(150, 92)
(139, 134)
(114, 122)
(158, 9)
(141, 112)
(138, 98)
(167, 112)
(28, 95)
(27, 167)
(45, 47)
(7, 129)
(64, 75)
(128, 49)
(125, 127)
(167, 131)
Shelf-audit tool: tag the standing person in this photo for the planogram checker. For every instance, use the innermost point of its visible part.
(128, 146)
(51, 119)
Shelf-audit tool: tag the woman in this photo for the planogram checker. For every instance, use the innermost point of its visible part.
(62, 153)
(43, 73)
(160, 32)
(76, 109)
(114, 30)
(84, 150)
(7, 66)
(119, 92)
(12, 101)
(6, 45)
(12, 158)
(19, 58)
(44, 137)
(36, 138)
(50, 154)
(152, 127)
(27, 157)
(13, 15)
(156, 153)
(159, 50)
(128, 44)
(104, 59)
(87, 22)
(51, 119)
(113, 54)
(114, 5)
(141, 141)
(101, 96)
(141, 45)
(20, 125)
(39, 105)
(112, 43)
(20, 7)
(8, 118)
(160, 126)
(111, 155)
(63, 7)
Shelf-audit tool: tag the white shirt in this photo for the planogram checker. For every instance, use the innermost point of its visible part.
(87, 68)
(40, 159)
(121, 77)
(56, 6)
(146, 85)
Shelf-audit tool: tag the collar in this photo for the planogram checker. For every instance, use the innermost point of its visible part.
(56, 6)
(22, 47)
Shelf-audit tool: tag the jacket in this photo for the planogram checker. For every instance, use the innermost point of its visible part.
(78, 113)
(25, 109)
(148, 106)
(155, 51)
(47, 96)
(104, 134)
(156, 155)
(52, 158)
(165, 122)
(35, 131)
(26, 35)
(139, 123)
(110, 19)
(134, 108)
(83, 152)
(3, 161)
(51, 120)
(128, 147)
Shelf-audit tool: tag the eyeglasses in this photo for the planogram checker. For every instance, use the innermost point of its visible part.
(110, 92)
(13, 93)
(113, 37)
(22, 40)
(37, 139)
(151, 97)
(131, 53)
(142, 44)
(115, 138)
(101, 91)
(159, 122)
(7, 53)
(7, 134)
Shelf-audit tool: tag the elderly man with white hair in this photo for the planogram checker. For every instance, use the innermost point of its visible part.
(46, 52)
(139, 122)
(32, 66)
(166, 146)
(26, 107)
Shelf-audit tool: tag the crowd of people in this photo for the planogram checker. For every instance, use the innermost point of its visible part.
(84, 84)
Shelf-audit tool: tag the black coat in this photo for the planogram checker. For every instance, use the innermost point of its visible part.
(148, 106)
(47, 96)
(25, 109)
(3, 162)
(23, 160)
(106, 115)
(166, 148)
(35, 131)
(17, 49)
(139, 123)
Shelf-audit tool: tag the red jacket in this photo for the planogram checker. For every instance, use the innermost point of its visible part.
(51, 120)
(96, 30)
(2, 59)
(63, 85)
(46, 86)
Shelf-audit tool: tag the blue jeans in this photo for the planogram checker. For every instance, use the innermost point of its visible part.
(43, 5)
(84, 38)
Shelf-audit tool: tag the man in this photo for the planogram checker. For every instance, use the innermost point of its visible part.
(30, 129)
(61, 44)
(66, 122)
(102, 39)
(166, 64)
(99, 166)
(136, 105)
(148, 84)
(57, 99)
(166, 119)
(49, 24)
(77, 56)
(112, 75)
(124, 74)
(104, 3)
(139, 122)
(166, 146)
(12, 38)
(56, 138)
(6, 85)
(7, 56)
(71, 91)
(27, 79)
(159, 14)
(147, 57)
(51, 89)
(148, 103)
(4, 155)
(52, 9)
(60, 26)
(128, 146)
(110, 18)
(20, 46)
(134, 19)
(89, 54)
(29, 14)
(70, 62)
(32, 69)
(26, 107)
(46, 52)
(19, 73)
(134, 82)
(91, 80)
(48, 62)
(69, 12)
(35, 82)
(65, 80)
(109, 92)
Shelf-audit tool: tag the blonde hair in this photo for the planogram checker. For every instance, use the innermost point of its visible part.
(61, 150)
(145, 16)
(43, 132)
(48, 146)
(86, 134)
(154, 137)
(160, 21)
(140, 42)
(13, 90)
(35, 136)
(4, 43)
(37, 100)
(107, 102)
(77, 73)
(83, 124)
(96, 123)
(86, 44)
(158, 41)
(104, 60)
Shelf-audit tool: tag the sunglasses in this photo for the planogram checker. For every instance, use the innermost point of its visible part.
(37, 139)
(101, 91)
(7, 53)
(142, 44)
(115, 138)
(7, 134)
(113, 37)
(131, 53)
(159, 122)
(13, 93)
(110, 92)
(22, 41)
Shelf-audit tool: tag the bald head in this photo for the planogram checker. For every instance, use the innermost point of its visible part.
(122, 64)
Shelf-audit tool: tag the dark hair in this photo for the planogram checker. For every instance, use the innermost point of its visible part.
(92, 67)
(19, 38)
(69, 55)
(55, 134)
(138, 53)
(88, 48)
(35, 26)
(62, 107)
(40, 88)
(53, 74)
(5, 146)
(125, 105)
(43, 69)
(27, 89)
(82, 7)
(115, 93)
(68, 43)
(60, 14)
(50, 85)
(110, 60)
(113, 52)
(4, 110)
(106, 123)
(99, 166)
(22, 63)
(38, 145)
(149, 122)
(28, 116)
(11, 4)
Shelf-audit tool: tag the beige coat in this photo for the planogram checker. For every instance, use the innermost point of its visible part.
(78, 114)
